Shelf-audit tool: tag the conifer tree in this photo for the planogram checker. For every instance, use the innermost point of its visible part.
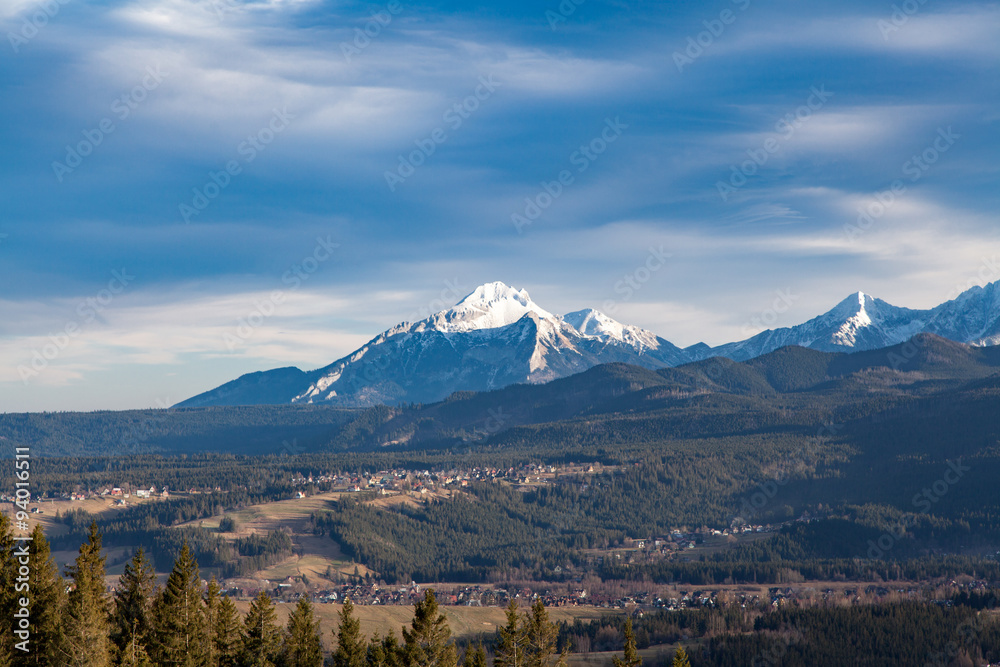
(211, 612)
(383, 652)
(87, 620)
(541, 636)
(132, 619)
(302, 646)
(178, 621)
(511, 647)
(351, 650)
(426, 643)
(226, 637)
(475, 656)
(681, 658)
(375, 653)
(47, 595)
(631, 657)
(261, 637)
(133, 654)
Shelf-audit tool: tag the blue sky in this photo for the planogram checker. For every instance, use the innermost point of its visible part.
(194, 189)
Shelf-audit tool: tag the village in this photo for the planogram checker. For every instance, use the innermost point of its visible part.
(636, 604)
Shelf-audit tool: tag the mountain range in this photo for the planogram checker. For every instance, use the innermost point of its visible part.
(497, 336)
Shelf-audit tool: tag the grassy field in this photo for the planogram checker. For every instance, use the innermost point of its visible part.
(465, 622)
(317, 553)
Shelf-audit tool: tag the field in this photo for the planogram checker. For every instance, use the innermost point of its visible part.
(465, 622)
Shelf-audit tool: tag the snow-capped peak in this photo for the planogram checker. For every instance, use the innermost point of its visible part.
(848, 332)
(489, 306)
(590, 322)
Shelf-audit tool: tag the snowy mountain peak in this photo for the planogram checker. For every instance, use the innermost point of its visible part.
(489, 306)
(590, 322)
(855, 303)
(848, 333)
(497, 336)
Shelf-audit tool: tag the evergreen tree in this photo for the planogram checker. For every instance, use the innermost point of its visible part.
(383, 652)
(211, 611)
(261, 637)
(375, 653)
(351, 650)
(426, 643)
(132, 619)
(133, 654)
(302, 646)
(475, 657)
(177, 628)
(87, 619)
(226, 638)
(631, 657)
(681, 658)
(511, 647)
(541, 636)
(47, 595)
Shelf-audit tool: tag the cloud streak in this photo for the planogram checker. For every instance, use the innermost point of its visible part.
(230, 65)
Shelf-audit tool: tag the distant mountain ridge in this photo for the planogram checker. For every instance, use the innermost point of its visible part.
(497, 336)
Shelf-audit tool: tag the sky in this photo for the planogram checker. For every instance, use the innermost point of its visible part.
(196, 189)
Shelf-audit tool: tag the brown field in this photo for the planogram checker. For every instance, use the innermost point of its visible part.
(465, 622)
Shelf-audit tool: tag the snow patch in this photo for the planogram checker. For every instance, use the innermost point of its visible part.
(490, 306)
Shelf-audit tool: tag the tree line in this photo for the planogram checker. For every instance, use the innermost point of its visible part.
(75, 622)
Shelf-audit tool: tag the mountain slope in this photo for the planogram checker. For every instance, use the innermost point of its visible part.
(494, 337)
(497, 336)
